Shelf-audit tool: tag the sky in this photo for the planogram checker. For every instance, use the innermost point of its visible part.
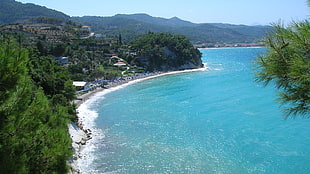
(248, 12)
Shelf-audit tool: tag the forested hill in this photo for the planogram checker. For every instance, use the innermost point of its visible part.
(137, 24)
(17, 12)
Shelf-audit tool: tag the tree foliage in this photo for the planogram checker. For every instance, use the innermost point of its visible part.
(12, 69)
(33, 120)
(287, 63)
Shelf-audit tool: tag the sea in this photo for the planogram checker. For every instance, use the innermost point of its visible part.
(212, 121)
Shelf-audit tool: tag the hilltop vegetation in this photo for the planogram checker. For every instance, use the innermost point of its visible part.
(163, 52)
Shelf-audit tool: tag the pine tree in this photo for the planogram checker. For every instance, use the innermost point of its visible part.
(287, 63)
(34, 136)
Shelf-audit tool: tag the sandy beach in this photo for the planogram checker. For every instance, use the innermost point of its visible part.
(81, 132)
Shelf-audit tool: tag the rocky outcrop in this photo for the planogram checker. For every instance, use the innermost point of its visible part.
(166, 52)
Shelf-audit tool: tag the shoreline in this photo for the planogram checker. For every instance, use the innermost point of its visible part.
(81, 133)
(84, 97)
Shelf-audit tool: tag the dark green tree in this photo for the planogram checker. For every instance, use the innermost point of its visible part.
(120, 42)
(287, 64)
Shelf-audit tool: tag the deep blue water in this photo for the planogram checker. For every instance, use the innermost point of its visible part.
(213, 121)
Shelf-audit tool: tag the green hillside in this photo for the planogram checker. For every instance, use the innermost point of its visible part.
(17, 12)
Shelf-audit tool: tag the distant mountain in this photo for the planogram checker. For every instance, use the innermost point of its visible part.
(225, 33)
(172, 22)
(255, 31)
(139, 24)
(132, 26)
(208, 33)
(17, 12)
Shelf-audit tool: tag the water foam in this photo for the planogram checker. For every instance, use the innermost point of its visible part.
(87, 117)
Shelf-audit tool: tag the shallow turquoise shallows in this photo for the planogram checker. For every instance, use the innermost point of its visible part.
(213, 121)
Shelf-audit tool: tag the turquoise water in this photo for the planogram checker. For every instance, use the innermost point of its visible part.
(213, 121)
